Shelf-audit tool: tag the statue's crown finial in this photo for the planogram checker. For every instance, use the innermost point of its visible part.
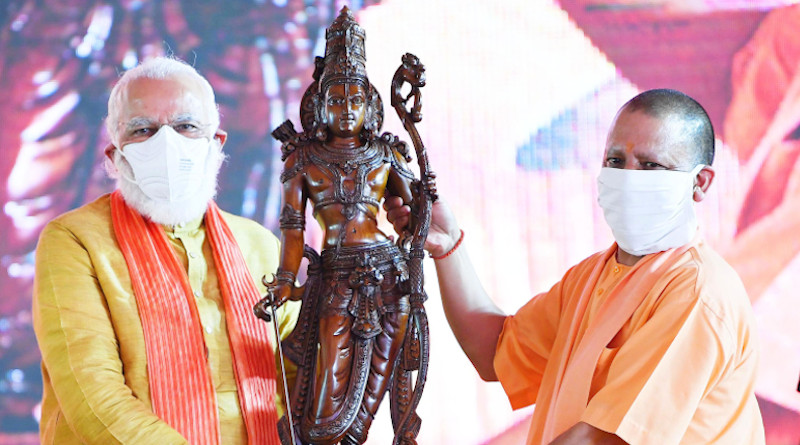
(345, 54)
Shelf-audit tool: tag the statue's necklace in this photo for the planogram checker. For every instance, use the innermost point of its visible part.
(347, 159)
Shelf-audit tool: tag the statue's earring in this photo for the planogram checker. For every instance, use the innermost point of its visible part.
(320, 120)
(369, 115)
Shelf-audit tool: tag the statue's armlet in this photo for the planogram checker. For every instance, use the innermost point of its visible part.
(294, 160)
(401, 177)
(399, 156)
(292, 215)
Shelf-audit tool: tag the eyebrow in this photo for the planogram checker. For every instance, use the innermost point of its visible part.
(137, 122)
(615, 150)
(185, 117)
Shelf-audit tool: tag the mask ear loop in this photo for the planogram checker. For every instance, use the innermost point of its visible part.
(695, 171)
(118, 154)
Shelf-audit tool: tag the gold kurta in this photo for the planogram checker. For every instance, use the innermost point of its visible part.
(87, 323)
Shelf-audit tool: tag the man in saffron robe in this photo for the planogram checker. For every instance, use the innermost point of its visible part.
(648, 342)
(142, 300)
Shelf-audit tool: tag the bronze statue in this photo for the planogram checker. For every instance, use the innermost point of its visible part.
(362, 327)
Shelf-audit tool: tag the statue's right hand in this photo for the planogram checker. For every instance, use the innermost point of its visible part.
(277, 295)
(281, 294)
(261, 309)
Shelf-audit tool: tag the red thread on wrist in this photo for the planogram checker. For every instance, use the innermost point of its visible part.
(450, 252)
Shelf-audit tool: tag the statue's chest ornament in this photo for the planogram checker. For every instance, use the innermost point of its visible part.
(348, 171)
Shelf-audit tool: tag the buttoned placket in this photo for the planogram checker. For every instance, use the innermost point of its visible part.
(193, 248)
(196, 271)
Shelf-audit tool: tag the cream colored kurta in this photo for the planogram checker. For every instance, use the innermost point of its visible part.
(86, 321)
(680, 371)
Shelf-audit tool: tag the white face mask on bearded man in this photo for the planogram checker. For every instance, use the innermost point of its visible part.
(169, 178)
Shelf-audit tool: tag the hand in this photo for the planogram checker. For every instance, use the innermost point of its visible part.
(443, 233)
(281, 293)
(277, 294)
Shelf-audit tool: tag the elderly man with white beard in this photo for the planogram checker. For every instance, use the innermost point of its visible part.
(142, 298)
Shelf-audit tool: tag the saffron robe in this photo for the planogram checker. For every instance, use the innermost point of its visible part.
(679, 368)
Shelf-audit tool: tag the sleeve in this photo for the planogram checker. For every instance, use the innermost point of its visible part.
(524, 347)
(663, 370)
(80, 352)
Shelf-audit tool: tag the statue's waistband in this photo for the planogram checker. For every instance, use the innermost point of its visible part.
(349, 257)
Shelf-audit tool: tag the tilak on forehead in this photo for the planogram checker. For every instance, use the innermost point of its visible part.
(345, 54)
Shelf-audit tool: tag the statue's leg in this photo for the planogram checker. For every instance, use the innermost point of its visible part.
(386, 349)
(334, 365)
(340, 382)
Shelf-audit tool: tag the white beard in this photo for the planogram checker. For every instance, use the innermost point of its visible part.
(165, 212)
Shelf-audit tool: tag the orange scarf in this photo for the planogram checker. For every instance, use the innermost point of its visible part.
(567, 389)
(181, 388)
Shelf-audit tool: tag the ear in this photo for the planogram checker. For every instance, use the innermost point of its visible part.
(109, 151)
(702, 182)
(221, 136)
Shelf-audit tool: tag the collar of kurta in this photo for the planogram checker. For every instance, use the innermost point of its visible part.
(181, 388)
(570, 385)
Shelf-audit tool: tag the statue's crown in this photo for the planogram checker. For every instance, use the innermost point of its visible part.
(345, 56)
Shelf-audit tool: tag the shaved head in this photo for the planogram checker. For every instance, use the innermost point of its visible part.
(690, 121)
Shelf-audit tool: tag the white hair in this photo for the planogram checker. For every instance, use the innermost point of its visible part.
(158, 68)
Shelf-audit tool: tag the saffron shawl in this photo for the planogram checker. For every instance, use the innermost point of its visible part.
(181, 388)
(565, 388)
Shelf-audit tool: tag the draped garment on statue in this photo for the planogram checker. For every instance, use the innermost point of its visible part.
(362, 307)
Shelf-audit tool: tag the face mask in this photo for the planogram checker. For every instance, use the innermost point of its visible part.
(648, 211)
(167, 166)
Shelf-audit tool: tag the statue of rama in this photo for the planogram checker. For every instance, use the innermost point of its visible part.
(354, 338)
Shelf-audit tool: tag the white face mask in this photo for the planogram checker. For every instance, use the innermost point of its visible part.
(168, 166)
(648, 211)
(148, 203)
